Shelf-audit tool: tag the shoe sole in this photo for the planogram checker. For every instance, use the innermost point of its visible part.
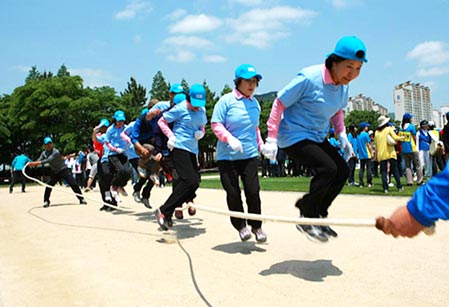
(311, 238)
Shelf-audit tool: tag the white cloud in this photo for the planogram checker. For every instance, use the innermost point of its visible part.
(92, 77)
(214, 59)
(247, 2)
(196, 23)
(176, 14)
(341, 4)
(137, 39)
(22, 68)
(133, 9)
(188, 42)
(432, 72)
(388, 64)
(182, 56)
(261, 27)
(430, 53)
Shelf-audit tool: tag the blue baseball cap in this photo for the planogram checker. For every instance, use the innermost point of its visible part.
(119, 115)
(350, 48)
(197, 95)
(47, 140)
(179, 98)
(246, 71)
(363, 125)
(407, 116)
(104, 122)
(176, 88)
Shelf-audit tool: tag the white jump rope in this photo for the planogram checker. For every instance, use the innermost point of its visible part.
(265, 218)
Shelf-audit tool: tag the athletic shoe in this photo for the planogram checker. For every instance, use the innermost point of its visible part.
(46, 204)
(401, 189)
(142, 172)
(137, 197)
(146, 203)
(178, 214)
(107, 196)
(327, 230)
(191, 210)
(83, 201)
(169, 222)
(313, 233)
(370, 185)
(386, 191)
(155, 179)
(261, 236)
(161, 220)
(114, 192)
(122, 191)
(244, 234)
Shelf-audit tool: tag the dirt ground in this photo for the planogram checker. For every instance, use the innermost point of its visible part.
(74, 255)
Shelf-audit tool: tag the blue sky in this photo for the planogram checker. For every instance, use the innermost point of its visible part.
(107, 42)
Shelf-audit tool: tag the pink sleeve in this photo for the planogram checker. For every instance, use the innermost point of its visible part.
(259, 138)
(338, 122)
(220, 131)
(163, 124)
(275, 118)
(125, 137)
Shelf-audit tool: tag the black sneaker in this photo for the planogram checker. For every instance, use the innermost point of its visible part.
(329, 231)
(46, 204)
(313, 233)
(83, 202)
(146, 203)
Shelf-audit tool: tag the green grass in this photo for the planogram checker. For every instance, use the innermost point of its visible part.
(301, 184)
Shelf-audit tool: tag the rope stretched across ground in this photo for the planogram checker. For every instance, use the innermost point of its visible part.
(259, 217)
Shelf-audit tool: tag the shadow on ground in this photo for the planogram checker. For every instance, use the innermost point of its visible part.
(308, 270)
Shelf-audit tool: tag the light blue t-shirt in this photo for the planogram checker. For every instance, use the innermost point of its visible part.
(363, 140)
(310, 104)
(408, 145)
(240, 116)
(161, 105)
(185, 123)
(19, 162)
(354, 143)
(130, 152)
(114, 138)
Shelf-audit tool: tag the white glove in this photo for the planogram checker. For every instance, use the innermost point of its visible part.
(119, 150)
(344, 143)
(270, 148)
(235, 143)
(171, 142)
(199, 134)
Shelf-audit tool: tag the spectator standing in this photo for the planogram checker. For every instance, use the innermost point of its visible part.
(17, 165)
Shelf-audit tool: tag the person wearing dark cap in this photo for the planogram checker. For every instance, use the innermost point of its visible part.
(59, 170)
(409, 150)
(365, 153)
(235, 122)
(299, 123)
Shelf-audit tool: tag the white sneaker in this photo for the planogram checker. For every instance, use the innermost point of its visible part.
(114, 192)
(107, 196)
(155, 179)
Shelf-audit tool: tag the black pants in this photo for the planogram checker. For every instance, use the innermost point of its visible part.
(141, 181)
(16, 176)
(187, 182)
(331, 173)
(105, 176)
(393, 170)
(122, 170)
(65, 174)
(230, 171)
(351, 164)
(365, 164)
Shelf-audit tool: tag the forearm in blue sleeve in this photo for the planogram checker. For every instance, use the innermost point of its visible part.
(431, 201)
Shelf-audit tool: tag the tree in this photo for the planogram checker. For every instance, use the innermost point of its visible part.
(33, 75)
(137, 93)
(159, 89)
(63, 72)
(357, 116)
